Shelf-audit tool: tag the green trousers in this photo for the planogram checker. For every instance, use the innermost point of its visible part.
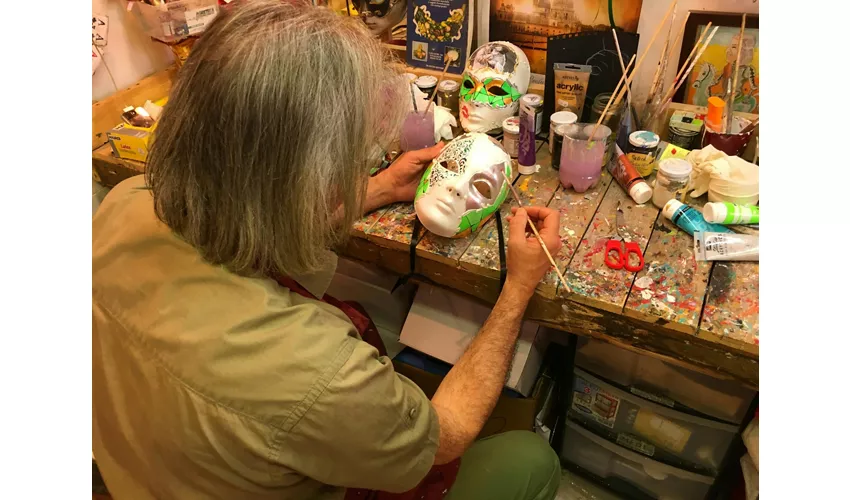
(516, 465)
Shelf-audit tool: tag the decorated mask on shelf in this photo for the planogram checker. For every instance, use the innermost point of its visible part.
(496, 76)
(463, 186)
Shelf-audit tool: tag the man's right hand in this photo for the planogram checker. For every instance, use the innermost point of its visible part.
(527, 262)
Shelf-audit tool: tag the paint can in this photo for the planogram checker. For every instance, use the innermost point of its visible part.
(556, 120)
(427, 84)
(529, 106)
(510, 136)
(643, 147)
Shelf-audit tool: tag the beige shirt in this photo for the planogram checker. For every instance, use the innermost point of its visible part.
(207, 384)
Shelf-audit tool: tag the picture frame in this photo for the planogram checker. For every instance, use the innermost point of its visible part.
(712, 70)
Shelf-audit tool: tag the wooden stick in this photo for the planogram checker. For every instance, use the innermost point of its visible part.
(679, 37)
(689, 64)
(661, 61)
(622, 65)
(673, 90)
(449, 60)
(610, 101)
(736, 70)
(537, 234)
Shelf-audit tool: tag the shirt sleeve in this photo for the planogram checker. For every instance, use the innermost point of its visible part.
(370, 428)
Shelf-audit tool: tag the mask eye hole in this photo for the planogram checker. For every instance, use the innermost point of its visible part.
(450, 165)
(484, 188)
(467, 83)
(497, 90)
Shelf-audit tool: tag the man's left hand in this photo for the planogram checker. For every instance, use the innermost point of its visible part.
(404, 174)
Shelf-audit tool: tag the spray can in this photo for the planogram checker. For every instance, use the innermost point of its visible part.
(528, 106)
(689, 219)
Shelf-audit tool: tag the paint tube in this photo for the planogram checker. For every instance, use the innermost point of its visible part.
(726, 246)
(730, 213)
(689, 219)
(628, 178)
(571, 82)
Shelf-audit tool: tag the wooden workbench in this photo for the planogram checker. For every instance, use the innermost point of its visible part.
(699, 314)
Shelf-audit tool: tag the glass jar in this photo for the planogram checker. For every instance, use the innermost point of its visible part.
(672, 179)
(510, 136)
(643, 147)
(555, 120)
(611, 120)
(448, 94)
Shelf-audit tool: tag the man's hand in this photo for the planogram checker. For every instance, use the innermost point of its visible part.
(405, 173)
(400, 180)
(527, 262)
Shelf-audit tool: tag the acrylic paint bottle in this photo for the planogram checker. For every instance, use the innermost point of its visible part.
(689, 219)
(628, 178)
(730, 213)
(527, 159)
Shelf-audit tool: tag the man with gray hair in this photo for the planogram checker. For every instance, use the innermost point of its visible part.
(220, 368)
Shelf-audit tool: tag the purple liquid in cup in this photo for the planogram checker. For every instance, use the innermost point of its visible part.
(581, 159)
(417, 131)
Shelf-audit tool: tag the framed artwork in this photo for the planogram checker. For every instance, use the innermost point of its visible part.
(714, 68)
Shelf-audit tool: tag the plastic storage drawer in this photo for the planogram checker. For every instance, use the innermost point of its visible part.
(666, 435)
(663, 383)
(615, 465)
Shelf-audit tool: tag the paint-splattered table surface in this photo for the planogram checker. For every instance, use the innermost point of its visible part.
(702, 314)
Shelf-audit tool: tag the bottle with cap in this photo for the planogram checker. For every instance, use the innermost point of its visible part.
(628, 178)
(556, 120)
(510, 136)
(427, 84)
(714, 118)
(643, 146)
(529, 105)
(730, 213)
(672, 178)
(689, 219)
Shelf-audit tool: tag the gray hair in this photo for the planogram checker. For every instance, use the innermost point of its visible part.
(261, 157)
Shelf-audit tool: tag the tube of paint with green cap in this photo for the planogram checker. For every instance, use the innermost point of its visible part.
(689, 219)
(730, 213)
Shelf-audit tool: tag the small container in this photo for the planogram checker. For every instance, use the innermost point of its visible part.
(684, 129)
(447, 96)
(417, 131)
(556, 120)
(732, 144)
(510, 136)
(529, 108)
(411, 78)
(643, 146)
(427, 84)
(714, 118)
(612, 120)
(673, 176)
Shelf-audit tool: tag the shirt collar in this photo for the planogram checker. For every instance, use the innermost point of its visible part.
(318, 282)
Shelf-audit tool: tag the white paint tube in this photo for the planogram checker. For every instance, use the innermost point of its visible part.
(726, 246)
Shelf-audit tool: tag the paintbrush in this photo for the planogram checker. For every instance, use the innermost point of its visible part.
(537, 234)
(686, 69)
(749, 128)
(451, 56)
(626, 120)
(662, 63)
(737, 70)
(413, 97)
(610, 101)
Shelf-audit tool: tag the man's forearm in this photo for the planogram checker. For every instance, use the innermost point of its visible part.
(467, 395)
(378, 193)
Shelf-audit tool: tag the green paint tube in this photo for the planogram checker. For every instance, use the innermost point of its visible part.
(729, 213)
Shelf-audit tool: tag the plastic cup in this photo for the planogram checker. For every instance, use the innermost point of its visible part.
(581, 159)
(417, 131)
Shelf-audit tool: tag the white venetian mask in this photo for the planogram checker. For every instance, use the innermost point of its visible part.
(463, 186)
(495, 77)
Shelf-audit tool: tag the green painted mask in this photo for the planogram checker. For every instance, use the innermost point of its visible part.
(463, 186)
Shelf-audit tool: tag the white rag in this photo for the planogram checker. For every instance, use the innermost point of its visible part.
(719, 170)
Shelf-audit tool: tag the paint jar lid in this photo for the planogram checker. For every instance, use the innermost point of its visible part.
(644, 139)
(640, 192)
(675, 168)
(511, 125)
(128, 109)
(449, 86)
(532, 100)
(426, 81)
(670, 208)
(563, 118)
(410, 77)
(715, 109)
